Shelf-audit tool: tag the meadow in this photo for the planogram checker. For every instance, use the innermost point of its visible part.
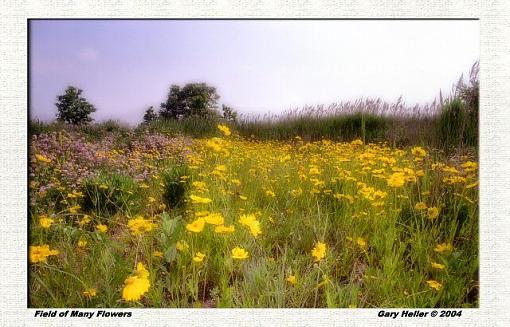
(139, 218)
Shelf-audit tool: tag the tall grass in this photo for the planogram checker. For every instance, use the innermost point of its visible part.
(444, 123)
(450, 124)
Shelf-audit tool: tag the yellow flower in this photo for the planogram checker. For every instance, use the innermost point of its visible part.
(74, 209)
(434, 284)
(196, 226)
(242, 197)
(470, 166)
(319, 251)
(325, 281)
(199, 257)
(139, 225)
(247, 219)
(137, 284)
(103, 186)
(314, 170)
(224, 129)
(90, 293)
(255, 229)
(239, 253)
(250, 220)
(438, 266)
(40, 253)
(141, 271)
(214, 219)
(181, 245)
(157, 254)
(222, 229)
(82, 243)
(292, 279)
(443, 247)
(84, 221)
(362, 243)
(396, 180)
(151, 199)
(199, 200)
(45, 222)
(472, 185)
(270, 194)
(201, 213)
(433, 212)
(420, 206)
(418, 152)
(42, 158)
(102, 228)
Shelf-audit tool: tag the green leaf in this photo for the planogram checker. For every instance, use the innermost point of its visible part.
(171, 253)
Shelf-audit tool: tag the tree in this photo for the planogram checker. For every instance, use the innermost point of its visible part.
(229, 114)
(73, 108)
(193, 99)
(150, 115)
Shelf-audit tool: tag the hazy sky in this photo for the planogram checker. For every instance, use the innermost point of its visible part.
(257, 66)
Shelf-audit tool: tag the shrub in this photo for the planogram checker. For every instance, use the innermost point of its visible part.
(107, 194)
(175, 188)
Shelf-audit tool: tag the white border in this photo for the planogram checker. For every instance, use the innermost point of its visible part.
(494, 149)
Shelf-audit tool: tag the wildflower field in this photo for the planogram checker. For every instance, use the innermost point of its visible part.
(147, 220)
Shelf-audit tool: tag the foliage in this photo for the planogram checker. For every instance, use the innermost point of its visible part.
(228, 113)
(106, 194)
(73, 108)
(175, 186)
(150, 115)
(193, 99)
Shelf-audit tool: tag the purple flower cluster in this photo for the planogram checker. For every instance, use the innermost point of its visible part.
(73, 158)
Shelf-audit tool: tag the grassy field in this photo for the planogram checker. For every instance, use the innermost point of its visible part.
(142, 219)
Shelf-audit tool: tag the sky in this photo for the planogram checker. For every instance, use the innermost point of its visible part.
(258, 67)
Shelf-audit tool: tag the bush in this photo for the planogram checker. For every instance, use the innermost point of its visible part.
(107, 194)
(175, 188)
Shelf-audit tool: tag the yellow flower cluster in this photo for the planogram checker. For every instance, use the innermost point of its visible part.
(45, 222)
(140, 225)
(40, 253)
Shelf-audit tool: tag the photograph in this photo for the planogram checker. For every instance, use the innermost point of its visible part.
(253, 163)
